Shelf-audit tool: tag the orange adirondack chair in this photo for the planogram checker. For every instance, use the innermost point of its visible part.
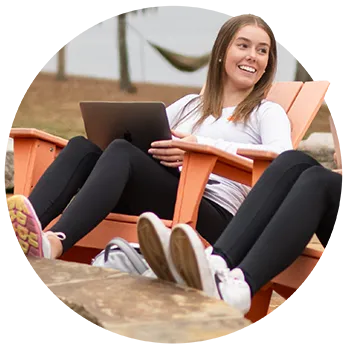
(34, 150)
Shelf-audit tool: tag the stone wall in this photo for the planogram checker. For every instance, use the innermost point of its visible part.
(9, 171)
(320, 145)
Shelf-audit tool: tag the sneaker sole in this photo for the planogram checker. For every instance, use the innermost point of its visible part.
(26, 225)
(188, 255)
(152, 249)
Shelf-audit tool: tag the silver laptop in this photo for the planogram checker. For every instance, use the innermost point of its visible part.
(140, 123)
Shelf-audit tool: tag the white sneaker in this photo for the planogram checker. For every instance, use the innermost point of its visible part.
(204, 271)
(33, 240)
(154, 237)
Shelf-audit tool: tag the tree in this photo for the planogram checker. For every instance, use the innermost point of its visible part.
(301, 73)
(61, 64)
(125, 81)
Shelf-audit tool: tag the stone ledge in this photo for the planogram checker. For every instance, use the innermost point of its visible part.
(138, 307)
(148, 311)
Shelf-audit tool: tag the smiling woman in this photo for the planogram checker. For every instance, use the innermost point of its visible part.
(231, 114)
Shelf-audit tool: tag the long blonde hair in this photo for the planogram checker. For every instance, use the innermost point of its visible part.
(211, 102)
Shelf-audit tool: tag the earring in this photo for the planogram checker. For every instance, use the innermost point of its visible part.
(220, 60)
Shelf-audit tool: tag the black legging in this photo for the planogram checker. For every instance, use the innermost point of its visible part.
(294, 198)
(121, 179)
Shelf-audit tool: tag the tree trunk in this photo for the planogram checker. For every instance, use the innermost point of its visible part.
(61, 64)
(125, 82)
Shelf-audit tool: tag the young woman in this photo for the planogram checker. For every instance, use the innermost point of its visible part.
(231, 113)
(294, 198)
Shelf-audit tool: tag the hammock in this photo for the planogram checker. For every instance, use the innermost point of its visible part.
(182, 62)
(178, 61)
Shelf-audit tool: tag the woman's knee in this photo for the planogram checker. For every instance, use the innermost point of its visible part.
(316, 177)
(82, 144)
(291, 158)
(120, 145)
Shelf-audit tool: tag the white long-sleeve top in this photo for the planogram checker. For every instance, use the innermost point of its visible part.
(268, 128)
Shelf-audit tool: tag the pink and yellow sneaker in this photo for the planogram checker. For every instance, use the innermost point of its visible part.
(33, 240)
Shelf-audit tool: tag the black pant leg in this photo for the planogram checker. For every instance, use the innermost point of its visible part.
(260, 205)
(63, 178)
(129, 181)
(314, 204)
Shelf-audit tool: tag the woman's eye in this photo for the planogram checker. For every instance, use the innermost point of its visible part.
(244, 46)
(264, 51)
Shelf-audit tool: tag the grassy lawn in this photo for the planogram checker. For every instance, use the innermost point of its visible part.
(53, 106)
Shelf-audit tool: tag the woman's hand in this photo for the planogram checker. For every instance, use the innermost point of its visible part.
(168, 155)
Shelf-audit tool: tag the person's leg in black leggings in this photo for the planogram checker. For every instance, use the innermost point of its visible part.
(260, 205)
(63, 178)
(310, 207)
(126, 179)
(294, 198)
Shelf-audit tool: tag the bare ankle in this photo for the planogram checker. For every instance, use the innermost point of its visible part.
(56, 246)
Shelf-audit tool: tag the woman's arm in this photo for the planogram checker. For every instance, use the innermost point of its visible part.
(274, 130)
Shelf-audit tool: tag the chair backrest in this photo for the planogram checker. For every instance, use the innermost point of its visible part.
(305, 108)
(284, 93)
(301, 101)
(336, 143)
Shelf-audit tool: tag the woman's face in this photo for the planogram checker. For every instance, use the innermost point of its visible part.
(247, 57)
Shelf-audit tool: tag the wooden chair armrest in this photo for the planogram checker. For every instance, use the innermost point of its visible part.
(257, 154)
(199, 162)
(235, 161)
(37, 134)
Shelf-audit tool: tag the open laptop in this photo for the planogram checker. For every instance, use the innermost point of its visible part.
(337, 129)
(140, 123)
